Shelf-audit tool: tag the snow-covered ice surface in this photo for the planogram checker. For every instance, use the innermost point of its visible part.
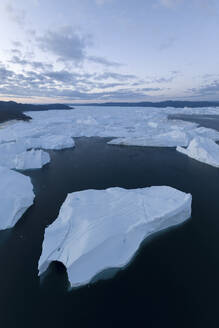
(203, 150)
(16, 195)
(102, 229)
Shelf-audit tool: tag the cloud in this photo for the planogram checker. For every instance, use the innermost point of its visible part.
(17, 44)
(166, 79)
(5, 74)
(65, 43)
(115, 76)
(208, 7)
(67, 85)
(40, 66)
(70, 46)
(169, 3)
(69, 94)
(103, 61)
(36, 2)
(16, 15)
(22, 61)
(107, 85)
(149, 89)
(209, 89)
(168, 43)
(18, 60)
(102, 2)
(62, 76)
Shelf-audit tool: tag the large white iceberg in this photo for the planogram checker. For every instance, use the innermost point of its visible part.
(101, 229)
(16, 195)
(203, 150)
(32, 159)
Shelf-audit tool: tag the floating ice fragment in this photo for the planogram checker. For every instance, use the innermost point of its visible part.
(16, 195)
(101, 229)
(203, 150)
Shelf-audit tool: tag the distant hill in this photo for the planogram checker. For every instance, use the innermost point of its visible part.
(162, 104)
(10, 110)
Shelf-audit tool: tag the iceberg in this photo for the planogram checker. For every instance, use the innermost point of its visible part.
(14, 155)
(204, 132)
(101, 229)
(33, 159)
(203, 150)
(55, 142)
(16, 195)
(169, 139)
(8, 152)
(135, 126)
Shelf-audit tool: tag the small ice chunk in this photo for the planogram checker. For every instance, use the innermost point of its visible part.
(203, 150)
(102, 229)
(16, 195)
(33, 159)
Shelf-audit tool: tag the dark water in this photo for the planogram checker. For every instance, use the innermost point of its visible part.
(173, 281)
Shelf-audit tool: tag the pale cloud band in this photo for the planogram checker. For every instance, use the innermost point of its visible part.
(108, 49)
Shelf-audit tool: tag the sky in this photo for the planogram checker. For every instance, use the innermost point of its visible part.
(75, 51)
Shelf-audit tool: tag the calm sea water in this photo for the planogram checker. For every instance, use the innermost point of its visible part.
(174, 279)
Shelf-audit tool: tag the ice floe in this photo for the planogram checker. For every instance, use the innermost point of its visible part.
(16, 195)
(102, 229)
(203, 150)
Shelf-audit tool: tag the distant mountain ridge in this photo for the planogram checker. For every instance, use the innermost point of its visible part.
(161, 104)
(10, 110)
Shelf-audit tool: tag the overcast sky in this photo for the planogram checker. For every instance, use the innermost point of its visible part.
(109, 50)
